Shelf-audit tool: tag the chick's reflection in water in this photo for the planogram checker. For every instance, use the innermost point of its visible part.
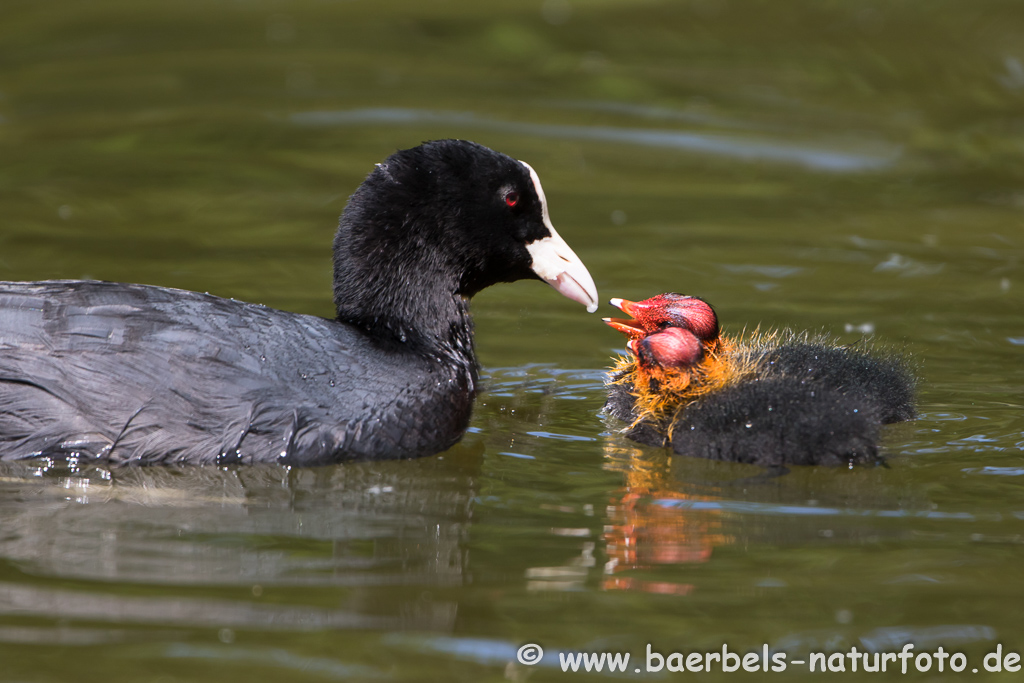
(656, 522)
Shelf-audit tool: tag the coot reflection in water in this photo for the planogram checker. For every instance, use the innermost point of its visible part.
(259, 536)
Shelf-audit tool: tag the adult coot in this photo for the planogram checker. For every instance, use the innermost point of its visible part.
(140, 374)
(770, 399)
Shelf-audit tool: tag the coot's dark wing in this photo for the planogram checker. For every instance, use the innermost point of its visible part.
(145, 374)
(883, 380)
(780, 421)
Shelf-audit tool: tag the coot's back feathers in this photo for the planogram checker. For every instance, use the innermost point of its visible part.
(780, 421)
(140, 374)
(885, 378)
(193, 378)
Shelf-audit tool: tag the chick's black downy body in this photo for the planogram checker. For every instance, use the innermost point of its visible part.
(141, 374)
(768, 400)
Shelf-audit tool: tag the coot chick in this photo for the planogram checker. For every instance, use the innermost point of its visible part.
(147, 375)
(770, 399)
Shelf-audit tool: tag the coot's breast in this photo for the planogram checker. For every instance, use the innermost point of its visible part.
(134, 373)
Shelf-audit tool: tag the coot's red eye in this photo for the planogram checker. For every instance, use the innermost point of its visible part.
(512, 198)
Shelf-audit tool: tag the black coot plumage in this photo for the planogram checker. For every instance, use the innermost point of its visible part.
(767, 399)
(140, 374)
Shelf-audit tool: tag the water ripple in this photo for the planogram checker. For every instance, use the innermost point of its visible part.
(276, 657)
(745, 148)
(889, 638)
(487, 651)
(561, 437)
(746, 507)
(996, 471)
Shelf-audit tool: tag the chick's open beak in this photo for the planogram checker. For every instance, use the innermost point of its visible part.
(630, 328)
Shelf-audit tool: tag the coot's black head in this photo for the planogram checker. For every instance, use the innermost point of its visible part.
(439, 222)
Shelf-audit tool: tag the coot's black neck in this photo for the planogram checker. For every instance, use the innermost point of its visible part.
(433, 322)
(402, 290)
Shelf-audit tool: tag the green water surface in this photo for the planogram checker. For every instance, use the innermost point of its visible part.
(853, 167)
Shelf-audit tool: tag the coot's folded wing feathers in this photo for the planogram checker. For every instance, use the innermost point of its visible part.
(884, 380)
(138, 373)
(780, 421)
